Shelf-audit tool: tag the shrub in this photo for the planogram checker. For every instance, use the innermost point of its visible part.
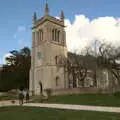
(49, 92)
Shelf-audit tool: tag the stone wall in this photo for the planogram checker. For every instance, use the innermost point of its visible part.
(75, 91)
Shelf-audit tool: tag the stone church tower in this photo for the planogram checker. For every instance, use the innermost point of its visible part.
(48, 51)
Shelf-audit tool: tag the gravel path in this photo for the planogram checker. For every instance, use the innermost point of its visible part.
(63, 106)
(76, 107)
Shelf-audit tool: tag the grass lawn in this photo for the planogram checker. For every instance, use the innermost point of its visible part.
(86, 99)
(34, 113)
(8, 97)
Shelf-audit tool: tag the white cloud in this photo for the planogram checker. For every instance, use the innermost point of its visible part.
(84, 31)
(4, 60)
(21, 28)
(57, 17)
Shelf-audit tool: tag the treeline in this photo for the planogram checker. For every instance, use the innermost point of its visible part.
(15, 74)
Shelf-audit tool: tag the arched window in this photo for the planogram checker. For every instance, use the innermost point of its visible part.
(39, 55)
(41, 87)
(53, 34)
(56, 35)
(40, 35)
(57, 81)
(56, 60)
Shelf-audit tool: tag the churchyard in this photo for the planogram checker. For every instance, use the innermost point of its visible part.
(49, 65)
(112, 99)
(84, 99)
(37, 113)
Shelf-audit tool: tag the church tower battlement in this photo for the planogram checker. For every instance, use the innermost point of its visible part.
(48, 47)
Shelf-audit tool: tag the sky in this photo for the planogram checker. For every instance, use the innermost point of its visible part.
(85, 20)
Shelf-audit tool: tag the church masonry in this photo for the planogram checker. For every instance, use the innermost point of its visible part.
(48, 46)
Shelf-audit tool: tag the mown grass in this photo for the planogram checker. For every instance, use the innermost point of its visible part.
(35, 113)
(86, 99)
(8, 97)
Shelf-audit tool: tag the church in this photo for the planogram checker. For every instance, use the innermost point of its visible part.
(48, 45)
(49, 55)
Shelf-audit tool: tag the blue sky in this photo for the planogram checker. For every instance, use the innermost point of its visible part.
(16, 17)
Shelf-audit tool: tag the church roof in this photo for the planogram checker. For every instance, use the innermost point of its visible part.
(87, 61)
(50, 19)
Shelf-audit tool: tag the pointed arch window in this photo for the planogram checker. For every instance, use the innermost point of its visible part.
(39, 55)
(57, 81)
(40, 35)
(63, 38)
(55, 35)
(58, 36)
(56, 60)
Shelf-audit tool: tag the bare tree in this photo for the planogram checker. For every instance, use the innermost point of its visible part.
(109, 58)
(106, 56)
(103, 56)
(74, 67)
